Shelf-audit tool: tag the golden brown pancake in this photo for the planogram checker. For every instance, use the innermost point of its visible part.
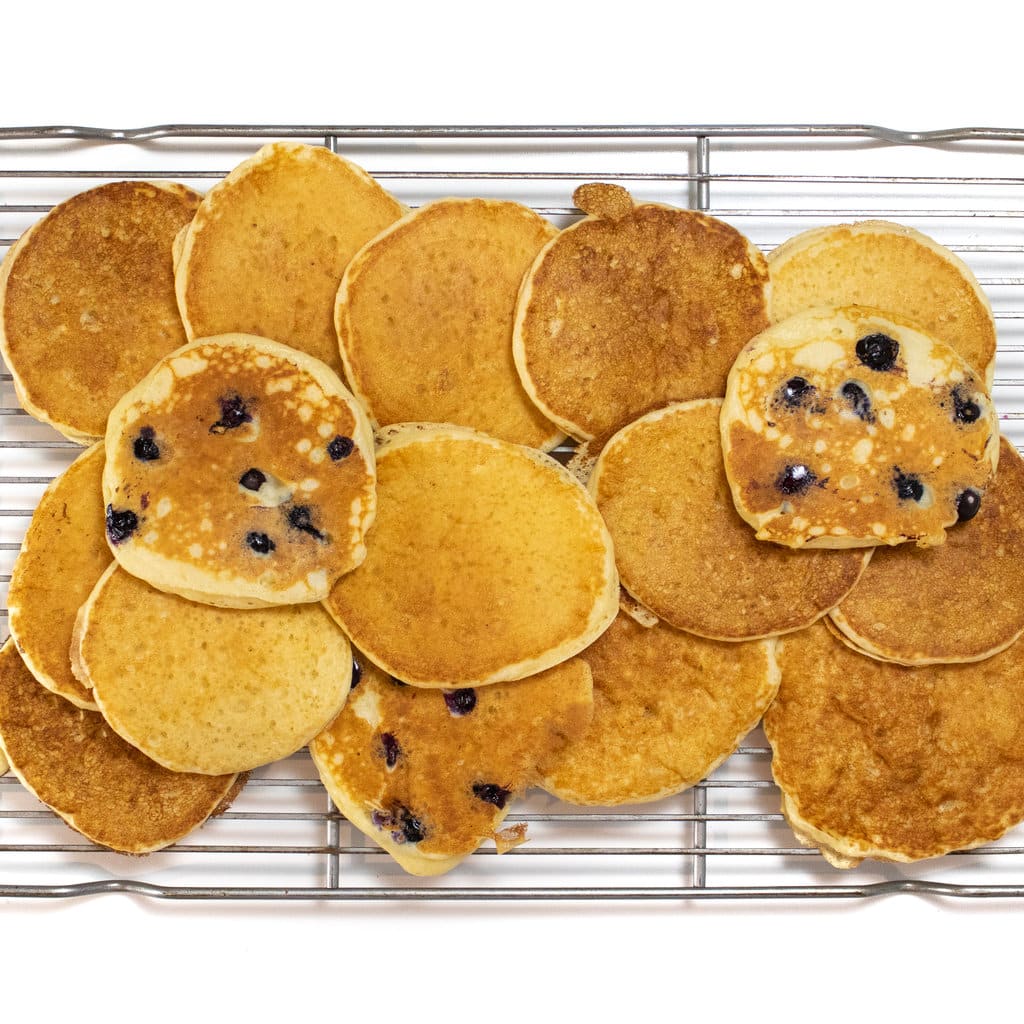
(894, 763)
(846, 428)
(62, 556)
(891, 267)
(239, 472)
(268, 245)
(669, 707)
(424, 319)
(681, 548)
(487, 562)
(87, 301)
(633, 307)
(101, 786)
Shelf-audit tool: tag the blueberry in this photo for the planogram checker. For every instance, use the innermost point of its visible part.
(357, 674)
(299, 518)
(341, 448)
(796, 479)
(252, 479)
(460, 702)
(491, 793)
(121, 524)
(233, 413)
(390, 748)
(908, 487)
(967, 505)
(856, 397)
(796, 392)
(878, 351)
(260, 543)
(406, 827)
(145, 447)
(382, 819)
(964, 409)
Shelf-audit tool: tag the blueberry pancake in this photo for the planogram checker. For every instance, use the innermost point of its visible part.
(240, 472)
(668, 708)
(430, 775)
(894, 763)
(680, 546)
(634, 306)
(845, 428)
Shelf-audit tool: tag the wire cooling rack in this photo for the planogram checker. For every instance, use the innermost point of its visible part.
(724, 839)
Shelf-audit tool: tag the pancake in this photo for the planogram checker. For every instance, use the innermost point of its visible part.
(430, 776)
(204, 689)
(668, 709)
(87, 301)
(845, 428)
(62, 556)
(891, 267)
(896, 763)
(424, 319)
(662, 490)
(240, 473)
(268, 245)
(632, 307)
(488, 562)
(101, 786)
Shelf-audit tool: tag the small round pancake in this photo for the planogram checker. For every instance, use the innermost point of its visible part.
(668, 709)
(846, 428)
(424, 319)
(239, 472)
(488, 562)
(101, 786)
(430, 776)
(87, 301)
(204, 689)
(895, 763)
(891, 267)
(680, 546)
(268, 245)
(633, 307)
(63, 555)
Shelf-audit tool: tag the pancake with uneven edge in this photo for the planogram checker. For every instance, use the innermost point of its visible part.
(669, 707)
(895, 763)
(891, 267)
(239, 472)
(633, 307)
(62, 556)
(847, 428)
(205, 689)
(487, 562)
(681, 548)
(424, 319)
(268, 245)
(430, 776)
(101, 786)
(87, 301)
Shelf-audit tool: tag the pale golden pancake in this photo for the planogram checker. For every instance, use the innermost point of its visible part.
(268, 245)
(894, 763)
(101, 786)
(681, 548)
(430, 776)
(633, 307)
(63, 555)
(424, 319)
(846, 428)
(239, 472)
(487, 562)
(87, 301)
(205, 689)
(891, 267)
(668, 709)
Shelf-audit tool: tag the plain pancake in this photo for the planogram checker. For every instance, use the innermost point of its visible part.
(632, 307)
(424, 319)
(961, 601)
(205, 689)
(430, 776)
(845, 428)
(101, 786)
(487, 562)
(669, 707)
(87, 301)
(239, 472)
(268, 245)
(681, 548)
(63, 555)
(891, 267)
(895, 763)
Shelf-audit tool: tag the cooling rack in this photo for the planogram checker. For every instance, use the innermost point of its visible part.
(724, 839)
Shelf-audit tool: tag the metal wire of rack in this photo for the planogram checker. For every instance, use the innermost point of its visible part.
(725, 838)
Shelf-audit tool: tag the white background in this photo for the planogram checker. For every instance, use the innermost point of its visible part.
(528, 63)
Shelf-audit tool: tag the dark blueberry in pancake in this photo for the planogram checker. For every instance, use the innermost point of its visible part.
(878, 351)
(796, 479)
(796, 392)
(233, 413)
(121, 524)
(260, 543)
(390, 748)
(856, 398)
(341, 448)
(491, 793)
(460, 702)
(965, 410)
(908, 487)
(253, 479)
(967, 505)
(300, 518)
(145, 447)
